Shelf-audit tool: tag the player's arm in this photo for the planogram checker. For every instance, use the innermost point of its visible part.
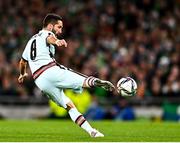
(22, 69)
(51, 39)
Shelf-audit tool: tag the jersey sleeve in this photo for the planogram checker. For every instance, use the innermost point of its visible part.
(47, 34)
(25, 53)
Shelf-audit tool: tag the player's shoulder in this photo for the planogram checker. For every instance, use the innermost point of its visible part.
(41, 34)
(45, 32)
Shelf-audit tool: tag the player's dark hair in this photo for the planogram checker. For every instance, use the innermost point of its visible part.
(51, 18)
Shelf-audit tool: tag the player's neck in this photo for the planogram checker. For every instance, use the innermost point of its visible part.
(47, 28)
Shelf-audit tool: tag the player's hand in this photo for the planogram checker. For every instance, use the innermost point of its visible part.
(60, 43)
(21, 77)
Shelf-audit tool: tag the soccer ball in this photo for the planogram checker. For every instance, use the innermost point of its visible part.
(127, 86)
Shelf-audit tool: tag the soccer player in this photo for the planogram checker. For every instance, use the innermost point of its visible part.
(51, 77)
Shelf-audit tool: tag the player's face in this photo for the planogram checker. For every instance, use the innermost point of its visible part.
(57, 29)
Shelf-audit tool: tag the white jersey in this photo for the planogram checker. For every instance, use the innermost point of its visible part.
(52, 80)
(38, 52)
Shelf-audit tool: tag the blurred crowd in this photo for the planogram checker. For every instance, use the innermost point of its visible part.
(108, 39)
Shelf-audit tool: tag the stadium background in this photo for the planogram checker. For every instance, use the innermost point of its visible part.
(106, 38)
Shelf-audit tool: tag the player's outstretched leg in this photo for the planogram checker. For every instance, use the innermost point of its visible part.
(79, 119)
(92, 81)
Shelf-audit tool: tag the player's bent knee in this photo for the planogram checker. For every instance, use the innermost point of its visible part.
(70, 105)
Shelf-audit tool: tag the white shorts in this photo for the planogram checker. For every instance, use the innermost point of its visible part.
(54, 80)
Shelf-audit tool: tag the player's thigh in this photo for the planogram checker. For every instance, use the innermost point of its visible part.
(62, 78)
(72, 80)
(57, 95)
(52, 91)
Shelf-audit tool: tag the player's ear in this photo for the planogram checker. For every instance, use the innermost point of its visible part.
(50, 26)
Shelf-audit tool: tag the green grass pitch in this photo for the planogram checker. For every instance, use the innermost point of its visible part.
(66, 131)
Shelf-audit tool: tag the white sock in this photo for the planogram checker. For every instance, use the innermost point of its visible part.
(86, 126)
(90, 81)
(80, 120)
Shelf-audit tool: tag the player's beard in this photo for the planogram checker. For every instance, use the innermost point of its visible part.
(54, 31)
